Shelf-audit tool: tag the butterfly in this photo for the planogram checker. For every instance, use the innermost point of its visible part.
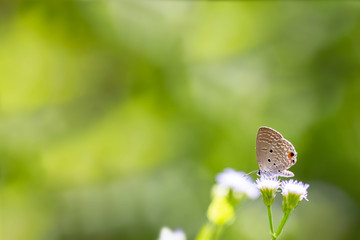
(274, 153)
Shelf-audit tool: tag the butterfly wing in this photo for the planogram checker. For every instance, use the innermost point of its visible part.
(265, 140)
(273, 152)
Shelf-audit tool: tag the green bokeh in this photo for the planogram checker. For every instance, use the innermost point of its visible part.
(115, 116)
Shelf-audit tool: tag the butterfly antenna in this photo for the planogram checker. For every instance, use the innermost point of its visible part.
(252, 172)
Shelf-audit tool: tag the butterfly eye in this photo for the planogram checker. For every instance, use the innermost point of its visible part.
(291, 154)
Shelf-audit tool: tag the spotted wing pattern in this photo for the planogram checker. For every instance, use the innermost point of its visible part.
(274, 153)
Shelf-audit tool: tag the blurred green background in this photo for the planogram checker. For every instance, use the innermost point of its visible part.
(115, 116)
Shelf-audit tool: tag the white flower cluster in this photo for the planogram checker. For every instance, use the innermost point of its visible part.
(294, 187)
(239, 182)
(268, 183)
(289, 186)
(268, 188)
(167, 234)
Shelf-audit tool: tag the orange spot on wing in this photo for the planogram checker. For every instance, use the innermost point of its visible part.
(291, 155)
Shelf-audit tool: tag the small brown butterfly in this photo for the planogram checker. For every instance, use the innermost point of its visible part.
(274, 153)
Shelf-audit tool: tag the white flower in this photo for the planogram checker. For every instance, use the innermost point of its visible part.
(239, 182)
(268, 187)
(294, 187)
(268, 183)
(167, 234)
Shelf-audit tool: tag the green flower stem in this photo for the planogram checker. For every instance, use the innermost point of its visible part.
(270, 220)
(218, 231)
(282, 224)
(210, 231)
(206, 232)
